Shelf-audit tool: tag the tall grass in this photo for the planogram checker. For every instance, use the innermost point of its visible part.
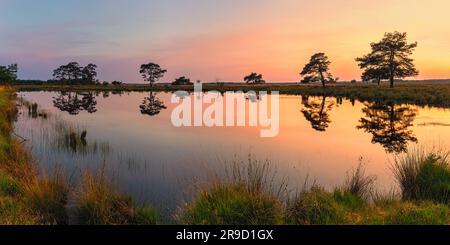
(359, 184)
(423, 175)
(98, 202)
(46, 198)
(246, 195)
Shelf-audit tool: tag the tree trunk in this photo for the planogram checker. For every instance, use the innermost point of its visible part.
(391, 68)
(391, 79)
(322, 79)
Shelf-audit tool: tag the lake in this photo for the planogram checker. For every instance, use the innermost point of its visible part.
(319, 138)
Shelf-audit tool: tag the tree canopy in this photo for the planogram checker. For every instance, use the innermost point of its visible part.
(389, 59)
(317, 69)
(75, 73)
(182, 81)
(254, 78)
(8, 73)
(152, 72)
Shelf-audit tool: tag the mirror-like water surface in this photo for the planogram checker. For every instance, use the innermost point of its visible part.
(131, 136)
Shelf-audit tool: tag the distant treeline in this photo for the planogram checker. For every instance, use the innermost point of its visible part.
(389, 60)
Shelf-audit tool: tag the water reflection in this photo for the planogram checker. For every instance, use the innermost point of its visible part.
(389, 124)
(119, 138)
(75, 102)
(152, 105)
(75, 142)
(316, 111)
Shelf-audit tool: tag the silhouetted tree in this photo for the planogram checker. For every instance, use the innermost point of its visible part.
(389, 58)
(117, 83)
(317, 112)
(389, 124)
(182, 81)
(74, 73)
(254, 78)
(152, 72)
(375, 74)
(89, 73)
(75, 102)
(309, 79)
(152, 105)
(8, 74)
(317, 69)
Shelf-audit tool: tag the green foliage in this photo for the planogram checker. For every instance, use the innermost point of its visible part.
(8, 74)
(423, 176)
(232, 205)
(315, 207)
(423, 214)
(9, 186)
(147, 216)
(246, 195)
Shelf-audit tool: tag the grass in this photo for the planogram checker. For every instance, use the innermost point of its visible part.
(424, 175)
(419, 93)
(246, 199)
(46, 198)
(244, 196)
(232, 205)
(97, 202)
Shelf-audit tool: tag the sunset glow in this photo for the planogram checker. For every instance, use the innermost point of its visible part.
(216, 39)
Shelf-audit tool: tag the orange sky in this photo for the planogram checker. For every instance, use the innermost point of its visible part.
(211, 39)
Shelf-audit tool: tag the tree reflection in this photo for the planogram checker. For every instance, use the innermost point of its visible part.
(389, 124)
(75, 102)
(152, 105)
(316, 111)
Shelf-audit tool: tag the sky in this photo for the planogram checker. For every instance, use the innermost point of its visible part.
(213, 40)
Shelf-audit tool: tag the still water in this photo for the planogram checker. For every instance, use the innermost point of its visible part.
(132, 137)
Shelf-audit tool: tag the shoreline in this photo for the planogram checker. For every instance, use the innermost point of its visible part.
(422, 94)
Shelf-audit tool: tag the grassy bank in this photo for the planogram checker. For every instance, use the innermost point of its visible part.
(30, 197)
(432, 94)
(424, 181)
